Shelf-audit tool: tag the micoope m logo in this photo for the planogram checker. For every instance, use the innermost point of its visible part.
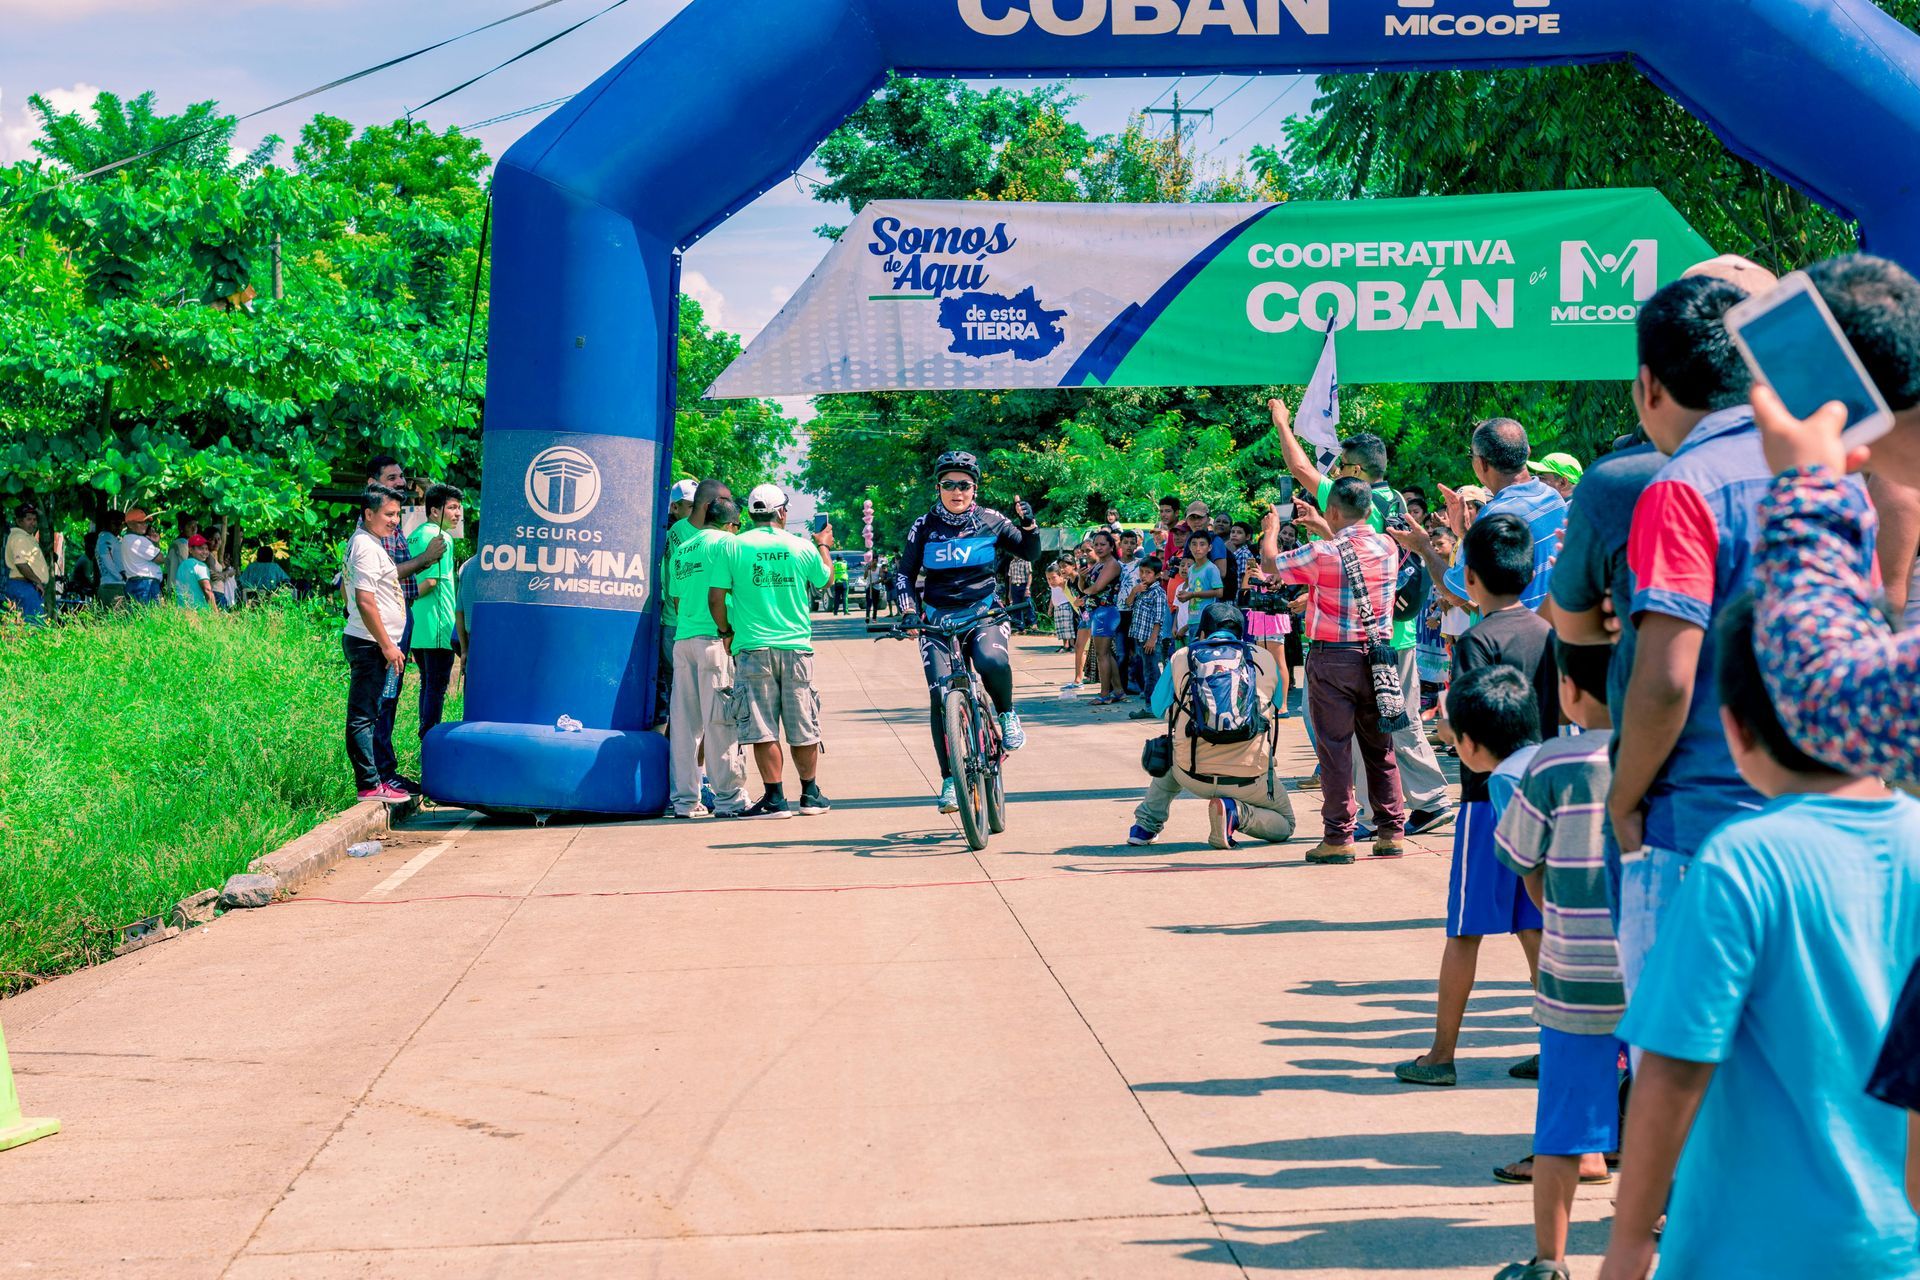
(563, 485)
(1621, 280)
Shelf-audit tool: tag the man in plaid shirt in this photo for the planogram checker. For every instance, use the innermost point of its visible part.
(1340, 693)
(1151, 622)
(387, 471)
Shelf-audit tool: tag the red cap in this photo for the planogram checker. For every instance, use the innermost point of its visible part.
(197, 541)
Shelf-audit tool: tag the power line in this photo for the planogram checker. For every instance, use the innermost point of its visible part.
(525, 53)
(1263, 111)
(515, 115)
(319, 89)
(1175, 84)
(1236, 93)
(1207, 86)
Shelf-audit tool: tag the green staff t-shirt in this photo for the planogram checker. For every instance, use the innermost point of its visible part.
(767, 573)
(688, 578)
(433, 612)
(678, 532)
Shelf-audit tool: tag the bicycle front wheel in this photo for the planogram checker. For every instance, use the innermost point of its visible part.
(963, 757)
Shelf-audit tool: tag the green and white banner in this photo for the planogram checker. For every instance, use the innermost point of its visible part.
(926, 295)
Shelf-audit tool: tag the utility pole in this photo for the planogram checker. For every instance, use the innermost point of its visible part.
(279, 276)
(1179, 114)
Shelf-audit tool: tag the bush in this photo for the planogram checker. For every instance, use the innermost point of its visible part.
(152, 755)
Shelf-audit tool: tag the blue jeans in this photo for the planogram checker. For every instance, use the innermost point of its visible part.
(26, 597)
(1649, 882)
(1151, 661)
(143, 590)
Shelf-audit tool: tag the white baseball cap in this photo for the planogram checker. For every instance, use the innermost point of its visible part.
(683, 491)
(766, 499)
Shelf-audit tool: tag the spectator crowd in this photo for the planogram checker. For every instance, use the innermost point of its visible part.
(1687, 720)
(1677, 682)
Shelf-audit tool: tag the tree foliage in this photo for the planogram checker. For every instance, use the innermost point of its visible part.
(146, 357)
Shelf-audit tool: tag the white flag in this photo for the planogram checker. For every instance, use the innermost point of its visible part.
(1319, 419)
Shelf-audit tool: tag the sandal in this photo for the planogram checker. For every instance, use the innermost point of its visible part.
(1418, 1072)
(1534, 1270)
(1510, 1175)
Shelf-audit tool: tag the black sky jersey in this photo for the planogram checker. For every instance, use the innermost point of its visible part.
(957, 555)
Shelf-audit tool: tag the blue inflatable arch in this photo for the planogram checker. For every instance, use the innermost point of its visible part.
(594, 207)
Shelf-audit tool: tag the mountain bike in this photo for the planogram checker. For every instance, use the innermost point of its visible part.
(975, 751)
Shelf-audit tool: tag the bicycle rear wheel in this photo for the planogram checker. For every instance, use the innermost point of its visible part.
(963, 757)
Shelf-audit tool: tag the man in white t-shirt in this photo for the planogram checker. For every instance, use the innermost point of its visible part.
(376, 619)
(140, 558)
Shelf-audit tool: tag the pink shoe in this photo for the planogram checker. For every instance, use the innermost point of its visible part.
(386, 794)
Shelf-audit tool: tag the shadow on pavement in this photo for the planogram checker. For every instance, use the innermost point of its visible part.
(1373, 1160)
(1377, 1244)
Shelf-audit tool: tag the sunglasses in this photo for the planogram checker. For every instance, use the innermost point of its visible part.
(956, 486)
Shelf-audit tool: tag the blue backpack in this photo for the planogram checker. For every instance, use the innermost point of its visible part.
(1222, 696)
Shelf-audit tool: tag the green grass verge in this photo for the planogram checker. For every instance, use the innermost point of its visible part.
(152, 755)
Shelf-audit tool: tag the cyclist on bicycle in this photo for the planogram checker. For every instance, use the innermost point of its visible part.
(955, 546)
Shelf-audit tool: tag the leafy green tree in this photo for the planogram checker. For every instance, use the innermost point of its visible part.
(198, 138)
(739, 441)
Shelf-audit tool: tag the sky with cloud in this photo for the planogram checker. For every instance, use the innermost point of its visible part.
(247, 53)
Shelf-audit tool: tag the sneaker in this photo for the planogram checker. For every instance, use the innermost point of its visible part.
(812, 801)
(1362, 832)
(1330, 855)
(1223, 820)
(1528, 1070)
(1144, 713)
(696, 812)
(1011, 734)
(949, 796)
(1139, 835)
(405, 785)
(772, 805)
(385, 794)
(707, 801)
(1309, 783)
(1421, 821)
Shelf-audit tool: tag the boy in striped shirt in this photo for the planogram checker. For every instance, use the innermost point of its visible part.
(1551, 836)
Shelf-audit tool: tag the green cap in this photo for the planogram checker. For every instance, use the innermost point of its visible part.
(1564, 465)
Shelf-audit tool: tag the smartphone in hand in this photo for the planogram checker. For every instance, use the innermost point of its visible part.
(1793, 344)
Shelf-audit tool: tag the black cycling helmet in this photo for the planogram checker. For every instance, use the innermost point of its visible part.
(957, 460)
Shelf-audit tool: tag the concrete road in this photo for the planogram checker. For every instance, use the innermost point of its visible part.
(839, 1046)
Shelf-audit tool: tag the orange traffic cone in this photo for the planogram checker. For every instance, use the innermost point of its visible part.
(17, 1130)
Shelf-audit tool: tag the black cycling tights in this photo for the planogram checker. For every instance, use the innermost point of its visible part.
(987, 648)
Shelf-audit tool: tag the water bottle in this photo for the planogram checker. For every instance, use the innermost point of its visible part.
(392, 689)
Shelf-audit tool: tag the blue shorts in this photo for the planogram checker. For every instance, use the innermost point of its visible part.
(1104, 622)
(1579, 1108)
(1483, 896)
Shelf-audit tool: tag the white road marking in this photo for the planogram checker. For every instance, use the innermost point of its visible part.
(419, 861)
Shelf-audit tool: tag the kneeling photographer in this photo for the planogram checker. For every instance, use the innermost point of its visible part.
(1221, 699)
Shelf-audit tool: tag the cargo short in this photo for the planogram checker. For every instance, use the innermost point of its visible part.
(772, 687)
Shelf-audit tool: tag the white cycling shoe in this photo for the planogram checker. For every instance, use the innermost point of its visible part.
(949, 796)
(1011, 733)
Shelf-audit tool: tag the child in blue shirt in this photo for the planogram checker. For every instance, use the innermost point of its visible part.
(1495, 718)
(1765, 1001)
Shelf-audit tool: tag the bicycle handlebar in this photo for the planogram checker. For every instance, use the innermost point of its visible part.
(957, 627)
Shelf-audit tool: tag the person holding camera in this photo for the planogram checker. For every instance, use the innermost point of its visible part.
(1219, 695)
(1350, 575)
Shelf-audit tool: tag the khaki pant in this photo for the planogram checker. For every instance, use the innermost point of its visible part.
(701, 711)
(1423, 787)
(1263, 816)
